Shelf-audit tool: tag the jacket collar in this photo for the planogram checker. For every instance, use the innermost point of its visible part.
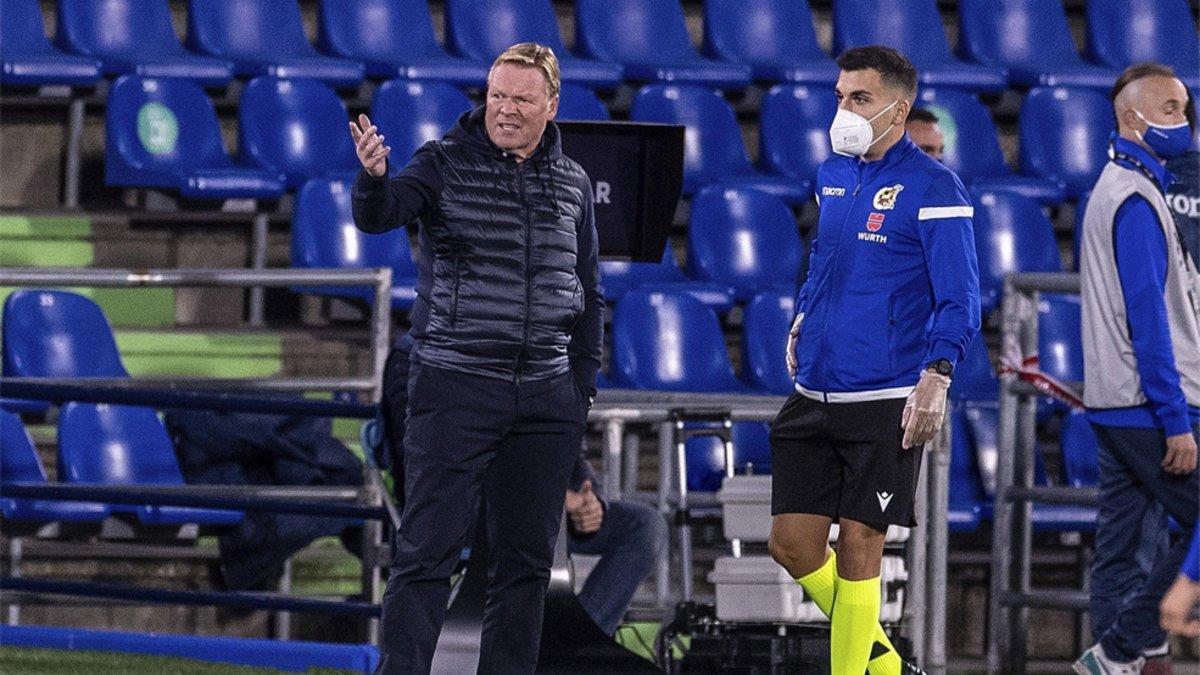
(1126, 147)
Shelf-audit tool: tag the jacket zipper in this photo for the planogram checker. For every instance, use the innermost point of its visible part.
(833, 270)
(528, 273)
(454, 299)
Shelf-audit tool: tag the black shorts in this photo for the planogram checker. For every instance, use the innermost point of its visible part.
(844, 460)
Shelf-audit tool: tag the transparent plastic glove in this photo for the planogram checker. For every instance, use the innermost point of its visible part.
(925, 409)
(793, 336)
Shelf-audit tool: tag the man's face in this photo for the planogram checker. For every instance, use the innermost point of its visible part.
(518, 108)
(863, 92)
(928, 137)
(1162, 100)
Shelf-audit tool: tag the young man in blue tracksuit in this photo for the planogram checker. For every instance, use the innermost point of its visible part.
(1141, 340)
(1177, 613)
(890, 304)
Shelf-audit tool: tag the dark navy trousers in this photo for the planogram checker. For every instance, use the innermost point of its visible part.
(1133, 567)
(511, 443)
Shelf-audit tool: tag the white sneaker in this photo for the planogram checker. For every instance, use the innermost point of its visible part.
(1095, 662)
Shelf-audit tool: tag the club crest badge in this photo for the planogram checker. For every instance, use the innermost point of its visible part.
(875, 222)
(885, 199)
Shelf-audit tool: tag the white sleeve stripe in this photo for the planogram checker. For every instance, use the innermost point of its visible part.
(933, 212)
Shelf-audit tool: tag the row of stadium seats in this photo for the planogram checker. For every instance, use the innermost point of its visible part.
(164, 133)
(1015, 43)
(99, 444)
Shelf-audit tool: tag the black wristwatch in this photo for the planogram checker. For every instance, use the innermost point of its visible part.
(942, 367)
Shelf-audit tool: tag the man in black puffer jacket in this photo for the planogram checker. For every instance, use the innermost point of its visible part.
(506, 344)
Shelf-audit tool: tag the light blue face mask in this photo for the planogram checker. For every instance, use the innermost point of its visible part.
(1166, 142)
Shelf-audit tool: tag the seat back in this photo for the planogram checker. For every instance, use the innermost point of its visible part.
(384, 31)
(128, 29)
(619, 276)
(794, 129)
(410, 113)
(669, 342)
(22, 31)
(972, 142)
(742, 238)
(1064, 135)
(58, 334)
(577, 103)
(914, 27)
(713, 146)
(19, 461)
(765, 325)
(247, 29)
(1081, 451)
(157, 129)
(481, 29)
(966, 483)
(633, 31)
(974, 377)
(1008, 33)
(1011, 235)
(1060, 341)
(324, 235)
(1123, 32)
(116, 445)
(297, 128)
(706, 455)
(760, 31)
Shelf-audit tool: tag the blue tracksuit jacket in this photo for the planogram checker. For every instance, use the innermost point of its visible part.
(893, 281)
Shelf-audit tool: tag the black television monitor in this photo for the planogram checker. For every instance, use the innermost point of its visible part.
(637, 174)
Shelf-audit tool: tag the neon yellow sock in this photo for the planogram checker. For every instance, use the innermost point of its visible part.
(852, 630)
(821, 587)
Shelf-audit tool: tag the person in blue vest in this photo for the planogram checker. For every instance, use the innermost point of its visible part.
(1141, 348)
(889, 307)
(507, 332)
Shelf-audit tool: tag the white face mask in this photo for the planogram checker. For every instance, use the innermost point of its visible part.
(851, 134)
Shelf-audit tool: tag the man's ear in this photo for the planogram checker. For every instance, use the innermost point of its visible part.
(553, 108)
(1130, 120)
(900, 113)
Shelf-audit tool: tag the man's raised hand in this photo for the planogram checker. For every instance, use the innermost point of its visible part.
(372, 153)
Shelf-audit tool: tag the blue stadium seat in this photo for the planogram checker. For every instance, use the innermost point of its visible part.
(394, 38)
(1121, 33)
(577, 103)
(968, 502)
(745, 239)
(27, 59)
(765, 325)
(124, 445)
(134, 37)
(410, 113)
(794, 130)
(1060, 342)
(481, 29)
(981, 420)
(775, 38)
(915, 28)
(973, 147)
(713, 148)
(1011, 235)
(706, 456)
(620, 277)
(297, 128)
(264, 37)
(19, 463)
(164, 133)
(1081, 463)
(57, 334)
(670, 342)
(1064, 136)
(1029, 38)
(650, 39)
(974, 377)
(324, 236)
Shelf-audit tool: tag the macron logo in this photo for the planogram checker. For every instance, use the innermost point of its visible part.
(833, 192)
(884, 500)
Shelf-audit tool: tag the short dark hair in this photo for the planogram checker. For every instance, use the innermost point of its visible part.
(894, 69)
(922, 115)
(1136, 72)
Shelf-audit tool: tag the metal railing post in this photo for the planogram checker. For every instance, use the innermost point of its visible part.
(666, 452)
(918, 556)
(939, 546)
(73, 165)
